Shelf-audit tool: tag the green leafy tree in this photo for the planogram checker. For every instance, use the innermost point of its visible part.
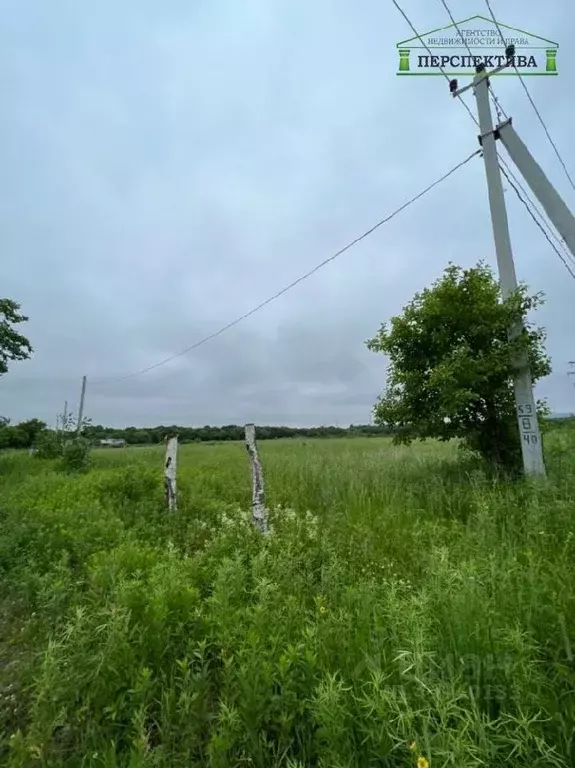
(49, 445)
(32, 428)
(74, 451)
(451, 364)
(13, 346)
(13, 437)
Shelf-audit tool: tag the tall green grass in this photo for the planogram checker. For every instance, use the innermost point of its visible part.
(405, 607)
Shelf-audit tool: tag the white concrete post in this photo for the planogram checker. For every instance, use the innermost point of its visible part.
(259, 511)
(170, 465)
(526, 409)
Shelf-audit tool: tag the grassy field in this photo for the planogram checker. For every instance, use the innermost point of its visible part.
(405, 611)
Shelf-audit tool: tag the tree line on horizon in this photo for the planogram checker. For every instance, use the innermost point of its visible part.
(150, 435)
(26, 433)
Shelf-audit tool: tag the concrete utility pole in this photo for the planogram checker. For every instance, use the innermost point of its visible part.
(556, 210)
(531, 446)
(81, 407)
(552, 203)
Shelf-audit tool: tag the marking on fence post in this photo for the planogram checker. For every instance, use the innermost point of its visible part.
(259, 511)
(170, 466)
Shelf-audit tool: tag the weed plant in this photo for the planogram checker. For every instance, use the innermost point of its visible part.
(405, 611)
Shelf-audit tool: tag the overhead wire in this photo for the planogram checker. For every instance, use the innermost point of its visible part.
(532, 102)
(443, 2)
(428, 49)
(543, 225)
(299, 280)
(550, 231)
(527, 200)
(516, 190)
(284, 290)
(498, 106)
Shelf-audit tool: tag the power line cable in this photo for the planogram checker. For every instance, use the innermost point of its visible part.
(340, 252)
(280, 293)
(532, 102)
(427, 48)
(443, 2)
(287, 288)
(516, 190)
(547, 230)
(496, 102)
(443, 72)
(498, 107)
(284, 290)
(543, 221)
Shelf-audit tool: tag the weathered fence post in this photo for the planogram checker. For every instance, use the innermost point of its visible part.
(170, 465)
(259, 511)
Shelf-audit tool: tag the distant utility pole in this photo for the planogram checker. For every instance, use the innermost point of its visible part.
(557, 211)
(81, 407)
(65, 417)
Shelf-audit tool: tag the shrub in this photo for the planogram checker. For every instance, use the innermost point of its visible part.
(49, 445)
(76, 454)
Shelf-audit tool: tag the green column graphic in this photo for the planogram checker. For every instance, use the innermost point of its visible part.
(404, 59)
(551, 63)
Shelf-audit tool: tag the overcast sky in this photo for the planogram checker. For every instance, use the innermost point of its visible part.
(166, 166)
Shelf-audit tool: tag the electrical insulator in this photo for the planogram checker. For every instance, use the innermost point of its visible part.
(452, 86)
(510, 52)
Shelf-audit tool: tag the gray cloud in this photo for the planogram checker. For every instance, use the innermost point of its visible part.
(166, 168)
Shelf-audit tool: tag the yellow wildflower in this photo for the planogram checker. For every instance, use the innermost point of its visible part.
(422, 762)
